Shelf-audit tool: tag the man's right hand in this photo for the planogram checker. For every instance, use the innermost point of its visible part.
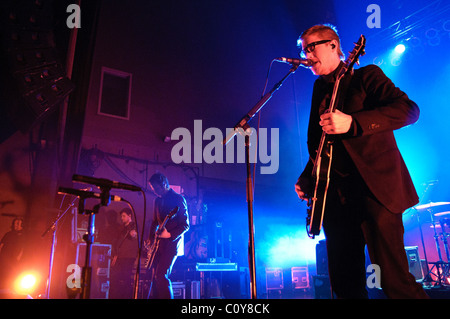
(300, 193)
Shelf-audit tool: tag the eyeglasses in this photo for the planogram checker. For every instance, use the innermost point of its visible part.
(311, 47)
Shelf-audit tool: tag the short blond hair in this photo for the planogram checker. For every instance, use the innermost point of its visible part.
(327, 31)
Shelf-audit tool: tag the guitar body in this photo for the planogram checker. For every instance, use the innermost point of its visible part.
(322, 163)
(152, 253)
(155, 245)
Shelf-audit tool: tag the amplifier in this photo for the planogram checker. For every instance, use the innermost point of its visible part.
(195, 290)
(300, 277)
(100, 263)
(179, 290)
(415, 265)
(274, 279)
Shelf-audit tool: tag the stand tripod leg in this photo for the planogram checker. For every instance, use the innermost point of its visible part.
(251, 241)
(86, 283)
(152, 277)
(87, 269)
(441, 273)
(427, 277)
(151, 268)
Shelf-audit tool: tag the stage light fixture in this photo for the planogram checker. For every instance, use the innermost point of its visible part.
(400, 48)
(26, 283)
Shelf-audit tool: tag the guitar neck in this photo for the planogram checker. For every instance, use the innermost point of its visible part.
(319, 152)
(331, 108)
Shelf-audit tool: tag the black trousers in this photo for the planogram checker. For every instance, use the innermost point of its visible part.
(161, 286)
(354, 218)
(121, 279)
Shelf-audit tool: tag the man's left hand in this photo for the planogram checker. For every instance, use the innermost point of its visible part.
(164, 233)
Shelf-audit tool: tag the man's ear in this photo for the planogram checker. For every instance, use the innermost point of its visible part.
(334, 44)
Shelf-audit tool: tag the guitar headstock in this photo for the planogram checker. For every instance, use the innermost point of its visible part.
(358, 50)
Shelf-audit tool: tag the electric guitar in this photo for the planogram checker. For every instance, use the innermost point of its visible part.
(155, 245)
(322, 163)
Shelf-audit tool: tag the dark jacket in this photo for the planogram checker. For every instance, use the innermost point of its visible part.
(378, 108)
(176, 226)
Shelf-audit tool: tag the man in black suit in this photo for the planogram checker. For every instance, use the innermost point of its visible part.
(171, 236)
(370, 185)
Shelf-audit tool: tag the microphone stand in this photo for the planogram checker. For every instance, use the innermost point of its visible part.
(243, 128)
(89, 236)
(427, 277)
(89, 239)
(52, 228)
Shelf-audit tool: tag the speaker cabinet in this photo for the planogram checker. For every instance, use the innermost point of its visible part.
(100, 262)
(300, 277)
(415, 265)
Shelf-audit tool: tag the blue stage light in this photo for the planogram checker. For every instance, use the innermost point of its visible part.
(400, 48)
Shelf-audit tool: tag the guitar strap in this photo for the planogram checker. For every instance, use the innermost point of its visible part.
(324, 105)
(343, 89)
(341, 94)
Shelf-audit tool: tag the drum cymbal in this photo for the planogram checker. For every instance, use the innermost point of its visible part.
(431, 205)
(441, 214)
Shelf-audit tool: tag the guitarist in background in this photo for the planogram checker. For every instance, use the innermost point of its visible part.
(172, 236)
(125, 251)
(370, 185)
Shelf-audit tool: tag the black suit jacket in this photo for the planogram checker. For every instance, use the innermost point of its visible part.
(378, 108)
(176, 226)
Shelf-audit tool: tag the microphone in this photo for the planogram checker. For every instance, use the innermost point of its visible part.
(10, 215)
(303, 62)
(86, 194)
(103, 182)
(116, 198)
